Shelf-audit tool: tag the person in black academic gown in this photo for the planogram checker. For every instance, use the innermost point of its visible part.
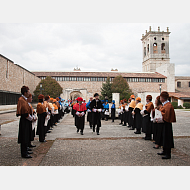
(80, 109)
(138, 116)
(96, 107)
(168, 117)
(147, 123)
(130, 116)
(158, 127)
(32, 135)
(24, 110)
(41, 111)
(113, 110)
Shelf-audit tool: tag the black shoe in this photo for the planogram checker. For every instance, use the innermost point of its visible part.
(124, 125)
(131, 129)
(137, 132)
(26, 156)
(81, 133)
(161, 153)
(31, 146)
(77, 130)
(120, 123)
(112, 121)
(29, 152)
(98, 133)
(166, 157)
(28, 149)
(48, 132)
(93, 130)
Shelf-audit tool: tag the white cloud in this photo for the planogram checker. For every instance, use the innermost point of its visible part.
(97, 47)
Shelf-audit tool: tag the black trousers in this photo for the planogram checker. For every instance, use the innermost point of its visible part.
(97, 128)
(23, 147)
(167, 151)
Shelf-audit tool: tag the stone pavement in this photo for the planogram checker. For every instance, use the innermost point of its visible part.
(115, 146)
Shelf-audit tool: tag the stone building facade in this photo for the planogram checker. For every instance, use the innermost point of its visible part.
(85, 84)
(182, 84)
(13, 77)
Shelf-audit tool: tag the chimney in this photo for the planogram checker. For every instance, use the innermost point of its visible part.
(149, 28)
(158, 29)
(167, 29)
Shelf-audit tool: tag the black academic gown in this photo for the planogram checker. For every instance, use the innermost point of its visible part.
(137, 119)
(146, 127)
(24, 134)
(130, 117)
(168, 141)
(40, 126)
(80, 121)
(112, 114)
(96, 116)
(158, 133)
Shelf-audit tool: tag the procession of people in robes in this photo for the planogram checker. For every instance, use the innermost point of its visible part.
(40, 122)
(154, 122)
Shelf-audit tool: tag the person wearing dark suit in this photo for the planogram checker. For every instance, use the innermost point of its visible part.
(96, 107)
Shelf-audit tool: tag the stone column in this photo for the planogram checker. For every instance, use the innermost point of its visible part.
(180, 102)
(116, 97)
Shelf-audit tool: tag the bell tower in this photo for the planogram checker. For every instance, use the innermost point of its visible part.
(155, 46)
(156, 56)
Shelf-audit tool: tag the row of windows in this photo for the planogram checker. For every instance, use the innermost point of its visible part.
(8, 98)
(179, 84)
(104, 79)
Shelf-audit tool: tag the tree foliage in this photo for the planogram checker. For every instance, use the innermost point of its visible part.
(50, 87)
(120, 85)
(106, 90)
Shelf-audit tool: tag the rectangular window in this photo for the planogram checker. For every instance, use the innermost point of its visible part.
(179, 84)
(189, 84)
(61, 78)
(141, 79)
(79, 78)
(148, 79)
(154, 80)
(66, 78)
(100, 79)
(73, 78)
(86, 78)
(93, 79)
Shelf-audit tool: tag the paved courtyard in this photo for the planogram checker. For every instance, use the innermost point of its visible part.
(115, 146)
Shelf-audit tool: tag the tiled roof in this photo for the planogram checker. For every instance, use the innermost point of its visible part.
(182, 77)
(99, 74)
(178, 95)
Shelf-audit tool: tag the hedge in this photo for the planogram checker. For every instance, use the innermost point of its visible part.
(186, 105)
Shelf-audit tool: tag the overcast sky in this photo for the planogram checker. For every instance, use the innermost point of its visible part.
(91, 47)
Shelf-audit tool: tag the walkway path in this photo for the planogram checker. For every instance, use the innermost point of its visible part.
(115, 146)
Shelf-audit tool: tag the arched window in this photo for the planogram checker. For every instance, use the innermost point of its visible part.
(155, 49)
(163, 48)
(148, 48)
